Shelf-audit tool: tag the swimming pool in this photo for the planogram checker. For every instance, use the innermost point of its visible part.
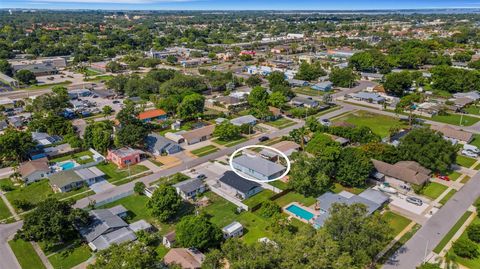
(300, 212)
(67, 165)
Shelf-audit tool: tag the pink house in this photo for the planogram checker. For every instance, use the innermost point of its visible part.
(124, 156)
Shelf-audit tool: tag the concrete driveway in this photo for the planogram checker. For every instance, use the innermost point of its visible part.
(101, 186)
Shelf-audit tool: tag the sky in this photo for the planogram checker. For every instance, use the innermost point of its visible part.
(239, 4)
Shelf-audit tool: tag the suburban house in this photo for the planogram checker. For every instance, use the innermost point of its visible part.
(186, 258)
(106, 228)
(198, 135)
(152, 115)
(168, 240)
(452, 134)
(247, 119)
(234, 229)
(370, 97)
(404, 171)
(239, 186)
(68, 180)
(159, 145)
(229, 102)
(35, 170)
(371, 76)
(474, 95)
(189, 189)
(297, 83)
(304, 102)
(124, 156)
(371, 198)
(45, 139)
(258, 167)
(324, 86)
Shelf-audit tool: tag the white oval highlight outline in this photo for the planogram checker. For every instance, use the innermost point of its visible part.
(230, 161)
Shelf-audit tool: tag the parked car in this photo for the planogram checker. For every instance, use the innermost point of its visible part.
(442, 177)
(414, 200)
(469, 153)
(471, 148)
(325, 122)
(201, 176)
(116, 101)
(263, 138)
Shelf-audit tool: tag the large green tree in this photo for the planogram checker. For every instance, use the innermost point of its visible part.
(226, 131)
(165, 203)
(99, 136)
(52, 221)
(307, 176)
(25, 77)
(126, 256)
(342, 77)
(397, 83)
(310, 72)
(15, 145)
(191, 106)
(353, 167)
(197, 232)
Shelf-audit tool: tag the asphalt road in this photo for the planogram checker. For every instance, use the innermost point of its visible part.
(7, 258)
(432, 232)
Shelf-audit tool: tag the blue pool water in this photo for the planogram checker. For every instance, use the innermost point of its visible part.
(300, 212)
(67, 165)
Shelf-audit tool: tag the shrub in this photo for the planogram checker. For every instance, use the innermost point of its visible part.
(465, 248)
(473, 232)
(269, 208)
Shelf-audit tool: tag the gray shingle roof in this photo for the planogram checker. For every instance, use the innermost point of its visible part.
(189, 185)
(259, 165)
(247, 119)
(235, 181)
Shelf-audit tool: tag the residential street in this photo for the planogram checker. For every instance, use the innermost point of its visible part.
(435, 228)
(7, 258)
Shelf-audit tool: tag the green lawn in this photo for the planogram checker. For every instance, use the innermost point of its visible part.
(258, 198)
(255, 227)
(473, 109)
(395, 221)
(308, 91)
(454, 175)
(204, 150)
(433, 190)
(70, 257)
(281, 123)
(26, 255)
(476, 140)
(46, 86)
(41, 190)
(338, 188)
(76, 157)
(464, 161)
(230, 143)
(220, 211)
(380, 124)
(295, 197)
(454, 119)
(279, 184)
(452, 232)
(448, 196)
(470, 263)
(4, 212)
(114, 173)
(465, 179)
(100, 78)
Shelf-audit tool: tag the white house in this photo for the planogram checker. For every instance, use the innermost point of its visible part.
(234, 229)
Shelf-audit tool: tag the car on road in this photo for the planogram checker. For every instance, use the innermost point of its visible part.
(201, 176)
(469, 153)
(263, 138)
(325, 122)
(116, 101)
(442, 177)
(414, 200)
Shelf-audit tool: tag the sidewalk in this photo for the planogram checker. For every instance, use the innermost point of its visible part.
(10, 207)
(41, 255)
(458, 234)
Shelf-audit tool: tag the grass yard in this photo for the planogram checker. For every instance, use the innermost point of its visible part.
(200, 152)
(465, 179)
(454, 175)
(100, 78)
(464, 161)
(470, 263)
(295, 197)
(454, 119)
(230, 143)
(279, 184)
(395, 221)
(255, 227)
(46, 86)
(380, 124)
(476, 140)
(433, 190)
(4, 212)
(448, 196)
(76, 157)
(26, 255)
(114, 173)
(452, 232)
(309, 91)
(473, 109)
(70, 257)
(258, 198)
(220, 211)
(281, 123)
(338, 188)
(41, 190)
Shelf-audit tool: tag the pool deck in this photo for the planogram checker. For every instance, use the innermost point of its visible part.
(315, 213)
